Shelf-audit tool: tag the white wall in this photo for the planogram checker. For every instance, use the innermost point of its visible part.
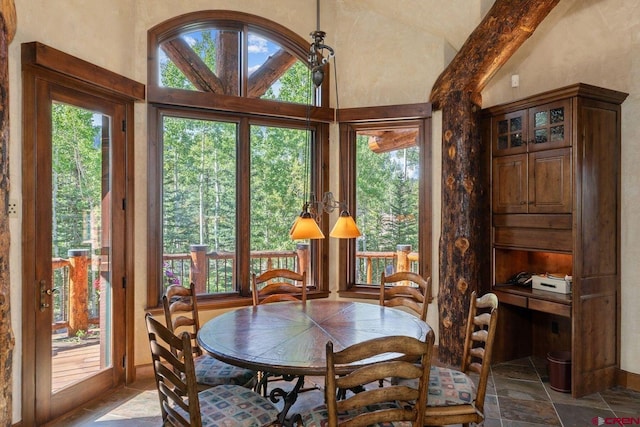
(595, 42)
(386, 53)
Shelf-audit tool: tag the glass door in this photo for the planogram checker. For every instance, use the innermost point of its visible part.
(79, 331)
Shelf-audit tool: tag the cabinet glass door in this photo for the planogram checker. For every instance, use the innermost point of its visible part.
(549, 126)
(510, 132)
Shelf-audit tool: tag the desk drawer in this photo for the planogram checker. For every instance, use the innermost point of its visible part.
(507, 298)
(550, 307)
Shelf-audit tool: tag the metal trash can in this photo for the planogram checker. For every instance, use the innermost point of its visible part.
(560, 370)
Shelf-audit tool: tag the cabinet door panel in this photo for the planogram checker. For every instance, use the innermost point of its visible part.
(533, 238)
(549, 126)
(550, 181)
(510, 184)
(509, 133)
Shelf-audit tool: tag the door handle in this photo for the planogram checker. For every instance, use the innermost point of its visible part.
(44, 293)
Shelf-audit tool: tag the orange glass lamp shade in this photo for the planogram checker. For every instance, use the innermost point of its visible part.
(305, 227)
(345, 227)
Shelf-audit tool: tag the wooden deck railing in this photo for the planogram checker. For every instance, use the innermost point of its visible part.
(370, 265)
(212, 272)
(76, 301)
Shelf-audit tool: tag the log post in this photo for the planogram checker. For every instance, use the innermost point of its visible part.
(457, 92)
(199, 271)
(460, 238)
(402, 258)
(78, 290)
(402, 261)
(302, 249)
(7, 339)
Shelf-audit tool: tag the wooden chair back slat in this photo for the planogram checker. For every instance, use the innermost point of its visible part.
(181, 313)
(478, 346)
(481, 329)
(409, 350)
(414, 295)
(175, 377)
(271, 286)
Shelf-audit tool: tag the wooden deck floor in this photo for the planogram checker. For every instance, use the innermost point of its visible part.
(72, 364)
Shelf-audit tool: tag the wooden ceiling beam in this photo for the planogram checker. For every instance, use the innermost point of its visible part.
(382, 141)
(227, 61)
(269, 72)
(192, 66)
(507, 25)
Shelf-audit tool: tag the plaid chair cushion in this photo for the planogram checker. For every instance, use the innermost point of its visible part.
(211, 371)
(318, 417)
(449, 387)
(235, 406)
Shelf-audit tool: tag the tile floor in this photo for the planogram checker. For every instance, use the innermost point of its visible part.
(518, 395)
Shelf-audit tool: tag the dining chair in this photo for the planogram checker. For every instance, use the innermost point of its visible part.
(181, 314)
(414, 295)
(396, 405)
(279, 285)
(274, 286)
(453, 396)
(181, 403)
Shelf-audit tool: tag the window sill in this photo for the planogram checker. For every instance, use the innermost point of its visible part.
(363, 293)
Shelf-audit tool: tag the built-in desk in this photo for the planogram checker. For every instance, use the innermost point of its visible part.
(534, 299)
(532, 322)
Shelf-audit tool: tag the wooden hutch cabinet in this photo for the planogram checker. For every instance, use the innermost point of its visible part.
(555, 208)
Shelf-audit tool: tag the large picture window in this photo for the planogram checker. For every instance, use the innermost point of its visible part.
(386, 162)
(228, 155)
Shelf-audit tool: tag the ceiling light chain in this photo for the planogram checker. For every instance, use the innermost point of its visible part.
(306, 225)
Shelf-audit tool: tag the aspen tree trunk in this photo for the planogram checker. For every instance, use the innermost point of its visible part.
(457, 92)
(7, 342)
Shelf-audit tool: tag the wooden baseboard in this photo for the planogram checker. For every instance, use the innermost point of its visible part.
(144, 371)
(628, 380)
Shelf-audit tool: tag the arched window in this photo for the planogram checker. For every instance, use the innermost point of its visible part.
(237, 135)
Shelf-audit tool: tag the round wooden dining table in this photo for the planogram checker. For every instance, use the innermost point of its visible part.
(290, 337)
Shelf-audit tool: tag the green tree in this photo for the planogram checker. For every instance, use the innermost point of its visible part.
(76, 177)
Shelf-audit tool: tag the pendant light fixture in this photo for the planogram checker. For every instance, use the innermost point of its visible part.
(306, 224)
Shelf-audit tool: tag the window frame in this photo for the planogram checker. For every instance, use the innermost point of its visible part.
(206, 105)
(351, 121)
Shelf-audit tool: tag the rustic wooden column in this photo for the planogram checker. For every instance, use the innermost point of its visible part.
(460, 239)
(199, 272)
(457, 92)
(402, 259)
(7, 340)
(78, 290)
(302, 249)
